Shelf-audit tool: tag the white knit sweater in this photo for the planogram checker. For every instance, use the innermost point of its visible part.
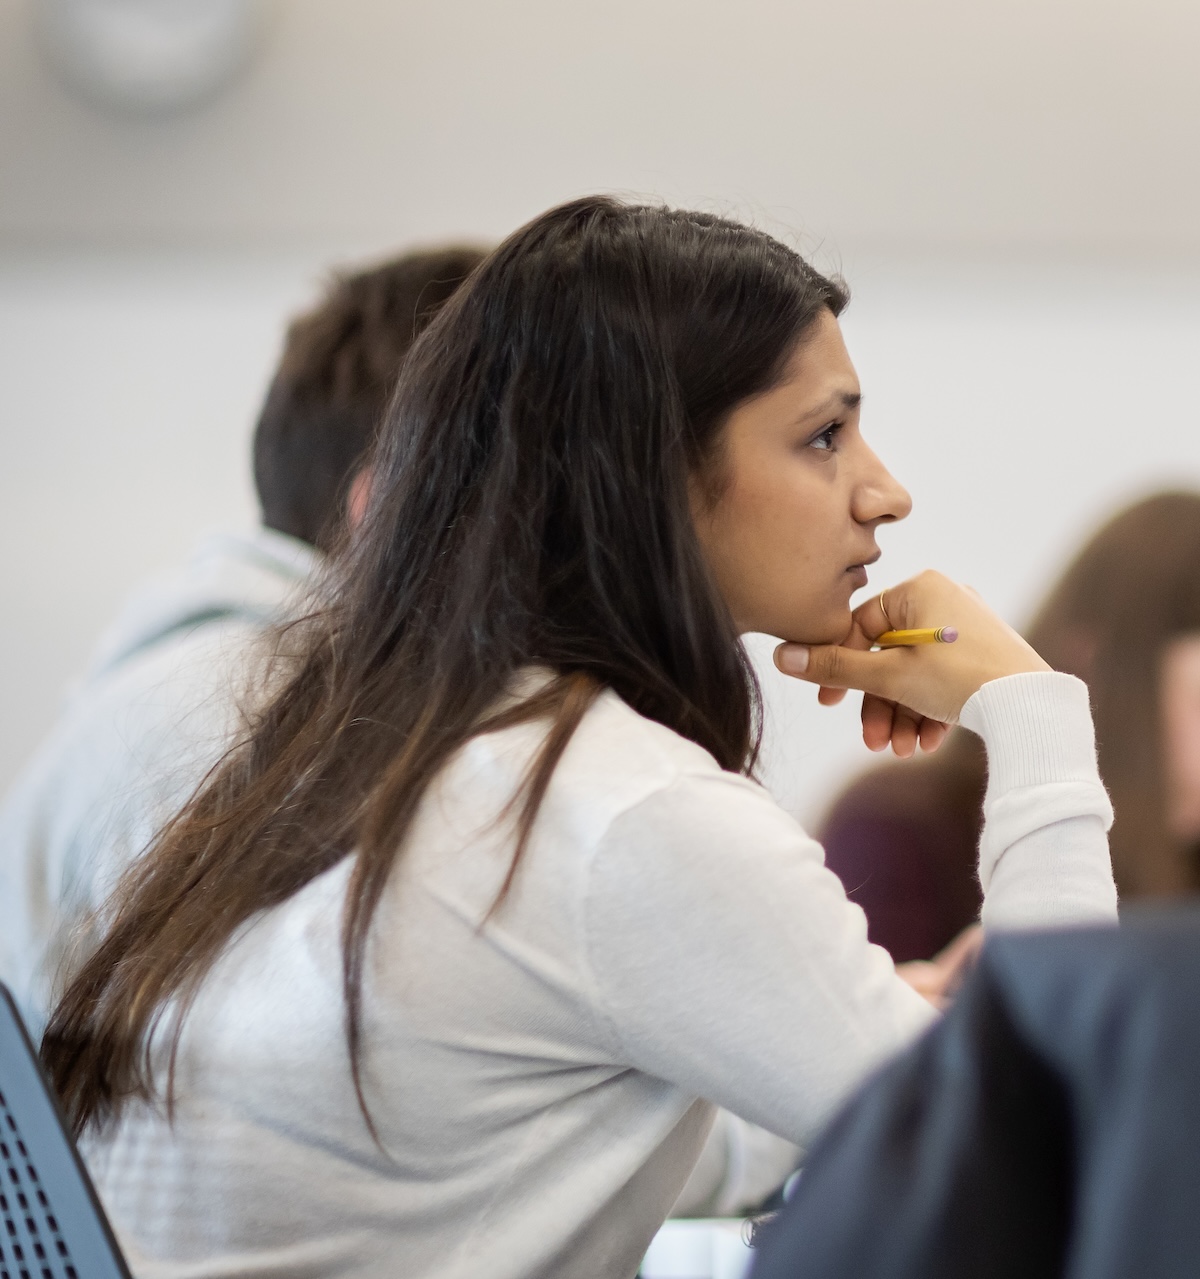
(671, 936)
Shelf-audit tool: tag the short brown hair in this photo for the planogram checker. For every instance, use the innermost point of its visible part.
(339, 365)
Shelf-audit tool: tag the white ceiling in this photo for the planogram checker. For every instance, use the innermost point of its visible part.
(912, 123)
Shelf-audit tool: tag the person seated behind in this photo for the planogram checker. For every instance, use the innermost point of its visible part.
(1125, 618)
(157, 704)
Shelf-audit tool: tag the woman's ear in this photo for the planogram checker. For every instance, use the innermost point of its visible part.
(358, 497)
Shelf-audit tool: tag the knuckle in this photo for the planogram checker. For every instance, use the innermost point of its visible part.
(832, 664)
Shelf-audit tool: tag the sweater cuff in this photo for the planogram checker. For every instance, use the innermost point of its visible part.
(1037, 728)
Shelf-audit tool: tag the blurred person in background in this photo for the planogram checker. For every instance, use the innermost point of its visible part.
(1125, 618)
(160, 698)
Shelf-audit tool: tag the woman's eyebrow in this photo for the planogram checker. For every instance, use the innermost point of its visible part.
(839, 402)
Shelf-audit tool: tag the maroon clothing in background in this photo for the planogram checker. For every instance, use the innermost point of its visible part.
(903, 841)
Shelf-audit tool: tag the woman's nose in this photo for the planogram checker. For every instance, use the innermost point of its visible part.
(880, 498)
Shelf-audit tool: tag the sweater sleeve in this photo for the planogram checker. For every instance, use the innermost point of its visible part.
(728, 961)
(1043, 854)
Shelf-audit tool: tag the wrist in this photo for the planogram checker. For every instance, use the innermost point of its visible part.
(1037, 727)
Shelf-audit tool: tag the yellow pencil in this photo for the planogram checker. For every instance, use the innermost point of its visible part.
(926, 635)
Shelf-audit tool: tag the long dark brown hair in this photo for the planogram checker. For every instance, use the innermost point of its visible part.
(529, 506)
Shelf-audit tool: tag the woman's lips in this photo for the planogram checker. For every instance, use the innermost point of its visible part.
(858, 572)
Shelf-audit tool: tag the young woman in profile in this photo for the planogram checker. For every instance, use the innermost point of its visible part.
(442, 970)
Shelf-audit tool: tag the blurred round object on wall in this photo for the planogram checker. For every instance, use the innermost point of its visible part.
(148, 55)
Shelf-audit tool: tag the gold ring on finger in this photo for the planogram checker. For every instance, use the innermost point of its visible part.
(883, 610)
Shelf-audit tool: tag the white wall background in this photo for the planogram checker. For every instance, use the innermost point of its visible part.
(1064, 122)
(1012, 189)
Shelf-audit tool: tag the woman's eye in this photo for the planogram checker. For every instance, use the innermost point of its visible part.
(827, 439)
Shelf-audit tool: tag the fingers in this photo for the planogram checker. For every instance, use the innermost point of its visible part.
(871, 620)
(939, 979)
(925, 978)
(933, 734)
(876, 722)
(962, 950)
(925, 596)
(956, 960)
(905, 733)
(839, 666)
(858, 639)
(884, 723)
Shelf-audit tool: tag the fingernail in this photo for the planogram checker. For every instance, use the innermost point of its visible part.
(792, 659)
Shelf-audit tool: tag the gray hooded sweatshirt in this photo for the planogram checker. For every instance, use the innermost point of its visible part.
(155, 708)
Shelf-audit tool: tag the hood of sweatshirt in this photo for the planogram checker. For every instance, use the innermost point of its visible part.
(254, 577)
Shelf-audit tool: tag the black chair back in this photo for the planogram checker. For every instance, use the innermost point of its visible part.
(51, 1223)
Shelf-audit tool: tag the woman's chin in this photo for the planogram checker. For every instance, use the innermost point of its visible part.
(828, 630)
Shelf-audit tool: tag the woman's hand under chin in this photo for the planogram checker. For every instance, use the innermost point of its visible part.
(913, 694)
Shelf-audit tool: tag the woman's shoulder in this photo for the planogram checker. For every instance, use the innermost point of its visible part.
(614, 730)
(618, 762)
(620, 758)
